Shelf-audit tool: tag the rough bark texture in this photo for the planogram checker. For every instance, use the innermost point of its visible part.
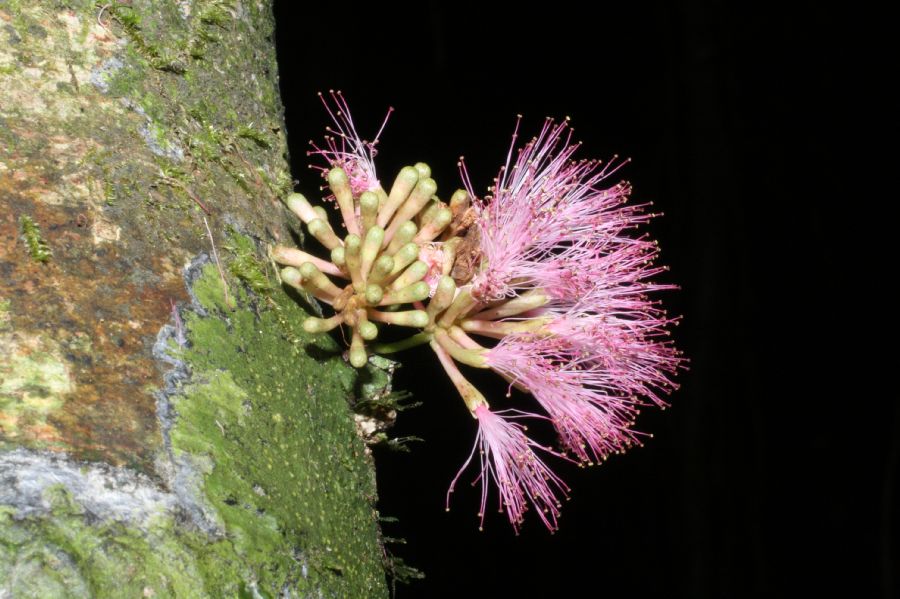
(166, 428)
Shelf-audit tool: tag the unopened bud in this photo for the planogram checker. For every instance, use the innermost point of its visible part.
(374, 294)
(414, 293)
(404, 235)
(404, 257)
(415, 272)
(403, 185)
(323, 233)
(339, 184)
(383, 267)
(371, 247)
(368, 330)
(368, 209)
(299, 205)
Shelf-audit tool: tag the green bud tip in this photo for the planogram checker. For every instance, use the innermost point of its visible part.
(384, 264)
(308, 270)
(459, 198)
(419, 291)
(427, 187)
(368, 330)
(352, 243)
(409, 175)
(337, 176)
(374, 294)
(407, 231)
(338, 256)
(314, 325)
(374, 237)
(418, 318)
(317, 226)
(358, 356)
(368, 202)
(291, 276)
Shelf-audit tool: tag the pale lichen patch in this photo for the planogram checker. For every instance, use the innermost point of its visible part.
(107, 492)
(34, 383)
(155, 136)
(103, 73)
(5, 317)
(104, 231)
(50, 68)
(51, 197)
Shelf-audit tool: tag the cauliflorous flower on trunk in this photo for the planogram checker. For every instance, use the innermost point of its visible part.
(546, 281)
(564, 283)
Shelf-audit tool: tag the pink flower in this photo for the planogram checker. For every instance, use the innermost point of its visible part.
(565, 286)
(547, 209)
(432, 254)
(588, 403)
(548, 270)
(564, 283)
(507, 458)
(631, 345)
(345, 149)
(599, 274)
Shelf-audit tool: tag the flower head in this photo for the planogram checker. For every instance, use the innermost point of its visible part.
(591, 408)
(545, 281)
(507, 457)
(564, 283)
(345, 149)
(546, 210)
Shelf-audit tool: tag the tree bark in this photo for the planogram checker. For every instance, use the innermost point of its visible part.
(166, 427)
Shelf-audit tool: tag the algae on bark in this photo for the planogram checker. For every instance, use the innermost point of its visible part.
(156, 439)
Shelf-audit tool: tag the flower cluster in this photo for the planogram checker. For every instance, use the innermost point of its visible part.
(543, 280)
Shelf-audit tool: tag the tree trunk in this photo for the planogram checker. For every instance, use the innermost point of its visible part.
(166, 426)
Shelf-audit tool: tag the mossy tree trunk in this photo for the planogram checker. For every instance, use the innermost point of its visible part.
(166, 428)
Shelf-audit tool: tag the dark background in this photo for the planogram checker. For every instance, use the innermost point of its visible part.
(774, 471)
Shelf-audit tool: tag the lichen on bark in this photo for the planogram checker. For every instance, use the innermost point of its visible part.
(116, 161)
(225, 443)
(265, 487)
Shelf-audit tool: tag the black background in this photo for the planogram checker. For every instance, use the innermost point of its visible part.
(774, 471)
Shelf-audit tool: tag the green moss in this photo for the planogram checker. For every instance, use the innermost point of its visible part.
(31, 234)
(245, 265)
(258, 137)
(157, 56)
(266, 422)
(65, 554)
(210, 290)
(286, 472)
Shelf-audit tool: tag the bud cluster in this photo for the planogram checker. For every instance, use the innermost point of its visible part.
(395, 251)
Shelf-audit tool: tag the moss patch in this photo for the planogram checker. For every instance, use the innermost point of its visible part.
(264, 425)
(259, 415)
(64, 554)
(268, 410)
(31, 234)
